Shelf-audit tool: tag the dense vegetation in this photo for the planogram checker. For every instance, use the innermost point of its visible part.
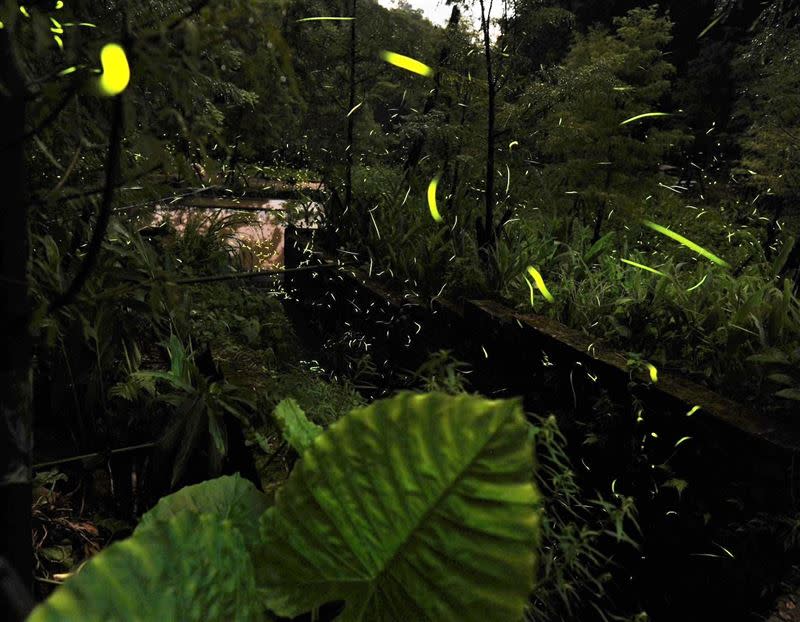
(627, 168)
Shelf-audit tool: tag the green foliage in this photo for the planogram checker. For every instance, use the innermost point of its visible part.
(706, 331)
(605, 79)
(402, 238)
(574, 571)
(239, 322)
(783, 371)
(230, 498)
(206, 243)
(442, 372)
(86, 349)
(577, 530)
(768, 110)
(242, 88)
(409, 493)
(298, 431)
(200, 405)
(535, 36)
(158, 575)
(397, 507)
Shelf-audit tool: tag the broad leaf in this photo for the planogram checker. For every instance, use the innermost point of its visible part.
(419, 507)
(298, 431)
(230, 497)
(599, 247)
(191, 567)
(770, 356)
(783, 257)
(789, 394)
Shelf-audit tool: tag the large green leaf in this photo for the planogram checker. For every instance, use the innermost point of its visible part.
(298, 431)
(419, 507)
(230, 497)
(190, 567)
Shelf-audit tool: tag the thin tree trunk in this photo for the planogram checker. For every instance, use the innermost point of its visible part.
(16, 342)
(348, 184)
(487, 238)
(451, 196)
(415, 151)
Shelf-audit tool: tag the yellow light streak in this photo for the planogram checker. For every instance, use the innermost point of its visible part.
(537, 278)
(643, 267)
(407, 63)
(646, 115)
(432, 199)
(325, 19)
(687, 243)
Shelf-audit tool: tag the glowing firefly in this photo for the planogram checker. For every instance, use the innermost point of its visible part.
(687, 243)
(530, 287)
(646, 115)
(693, 287)
(407, 63)
(643, 267)
(116, 72)
(537, 278)
(325, 19)
(710, 26)
(432, 199)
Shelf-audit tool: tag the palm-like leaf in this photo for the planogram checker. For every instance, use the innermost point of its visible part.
(420, 507)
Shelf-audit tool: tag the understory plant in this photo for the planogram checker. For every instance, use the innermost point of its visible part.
(579, 526)
(417, 507)
(199, 402)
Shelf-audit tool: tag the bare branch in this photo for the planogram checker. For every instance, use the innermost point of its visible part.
(104, 215)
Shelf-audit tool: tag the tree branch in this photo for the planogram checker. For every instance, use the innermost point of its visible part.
(104, 215)
(47, 121)
(250, 275)
(99, 189)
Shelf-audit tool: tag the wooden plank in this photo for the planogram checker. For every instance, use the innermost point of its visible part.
(233, 203)
(670, 387)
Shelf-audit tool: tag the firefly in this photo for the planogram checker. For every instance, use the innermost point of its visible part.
(537, 278)
(432, 199)
(325, 19)
(643, 267)
(646, 115)
(116, 72)
(407, 63)
(687, 243)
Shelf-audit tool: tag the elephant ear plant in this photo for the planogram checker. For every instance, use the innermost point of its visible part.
(418, 507)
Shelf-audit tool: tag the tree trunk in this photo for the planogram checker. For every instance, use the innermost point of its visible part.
(16, 414)
(486, 230)
(415, 151)
(348, 183)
